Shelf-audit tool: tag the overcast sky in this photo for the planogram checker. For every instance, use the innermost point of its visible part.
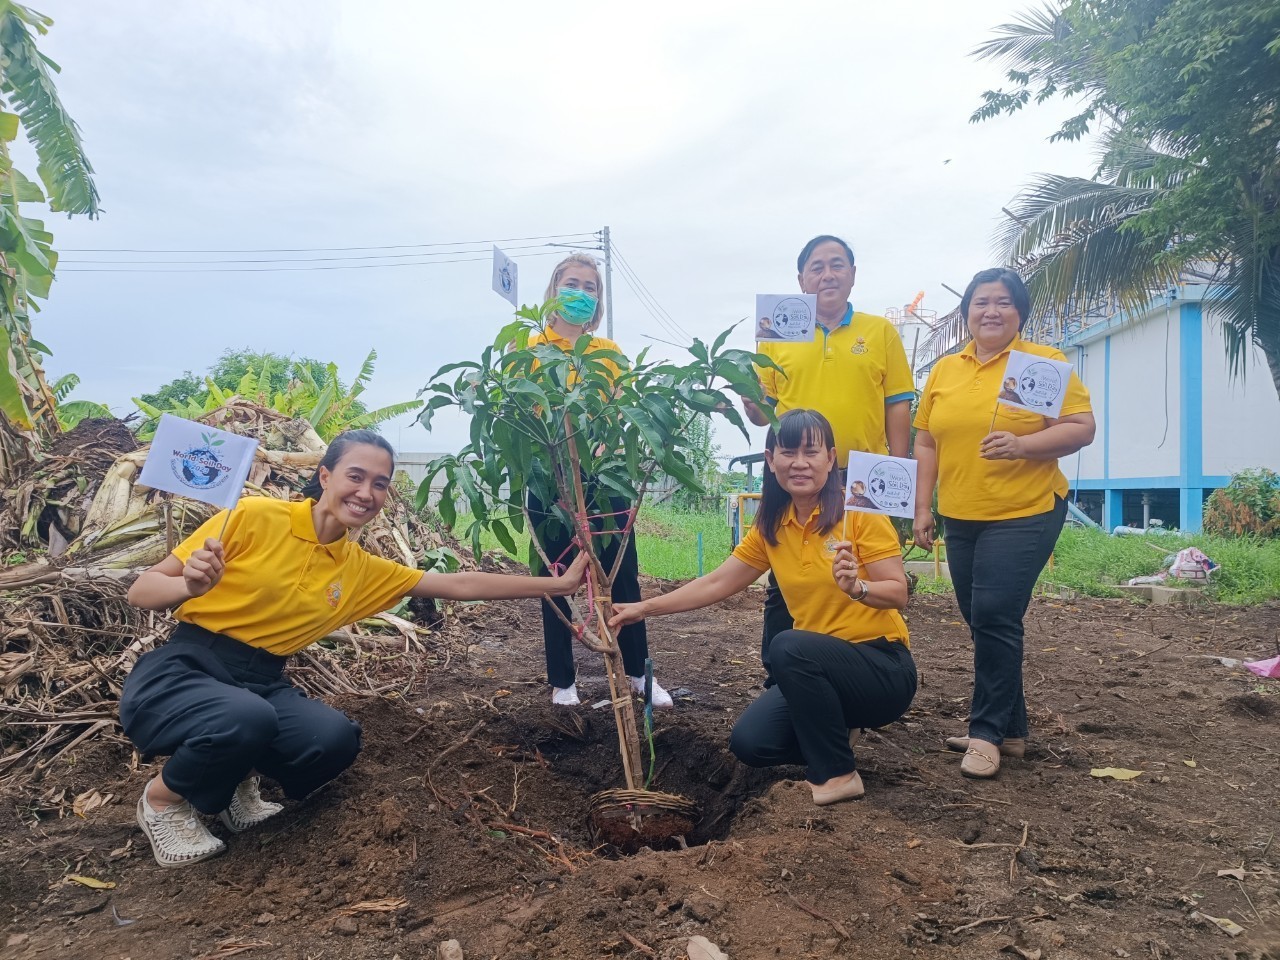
(714, 139)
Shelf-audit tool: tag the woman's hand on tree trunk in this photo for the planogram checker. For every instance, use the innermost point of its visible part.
(626, 613)
(569, 581)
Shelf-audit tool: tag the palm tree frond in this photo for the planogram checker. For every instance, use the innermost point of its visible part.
(1020, 44)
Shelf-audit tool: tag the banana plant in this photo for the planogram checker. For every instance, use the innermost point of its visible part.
(316, 396)
(71, 412)
(29, 105)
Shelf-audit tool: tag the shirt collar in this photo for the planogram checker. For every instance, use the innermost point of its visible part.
(304, 527)
(971, 349)
(790, 515)
(845, 321)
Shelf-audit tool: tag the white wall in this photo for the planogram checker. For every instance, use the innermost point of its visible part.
(1241, 419)
(1090, 367)
(1145, 392)
(415, 464)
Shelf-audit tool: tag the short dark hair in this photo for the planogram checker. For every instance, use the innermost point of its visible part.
(809, 247)
(794, 429)
(1012, 282)
(338, 446)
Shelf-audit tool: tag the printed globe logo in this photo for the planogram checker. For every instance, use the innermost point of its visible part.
(505, 279)
(889, 485)
(200, 468)
(791, 318)
(1040, 385)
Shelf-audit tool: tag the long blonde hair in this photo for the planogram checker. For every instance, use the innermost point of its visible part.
(584, 260)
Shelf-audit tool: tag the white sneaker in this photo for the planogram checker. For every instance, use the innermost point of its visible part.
(661, 699)
(247, 808)
(178, 836)
(565, 696)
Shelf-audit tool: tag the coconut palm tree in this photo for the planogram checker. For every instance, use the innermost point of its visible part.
(1187, 182)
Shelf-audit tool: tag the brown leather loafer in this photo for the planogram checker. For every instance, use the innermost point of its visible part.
(1015, 747)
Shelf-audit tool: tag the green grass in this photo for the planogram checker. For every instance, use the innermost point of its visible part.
(1088, 562)
(667, 541)
(1091, 562)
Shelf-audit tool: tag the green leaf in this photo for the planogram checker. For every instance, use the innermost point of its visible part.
(12, 404)
(448, 511)
(73, 411)
(504, 536)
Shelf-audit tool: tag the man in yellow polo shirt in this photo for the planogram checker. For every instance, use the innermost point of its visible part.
(855, 373)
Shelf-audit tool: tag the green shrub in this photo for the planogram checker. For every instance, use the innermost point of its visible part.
(1248, 506)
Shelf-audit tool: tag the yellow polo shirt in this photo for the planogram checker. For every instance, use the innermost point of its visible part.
(564, 343)
(846, 375)
(956, 408)
(801, 561)
(281, 588)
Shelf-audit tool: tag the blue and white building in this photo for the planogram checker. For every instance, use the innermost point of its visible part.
(1173, 424)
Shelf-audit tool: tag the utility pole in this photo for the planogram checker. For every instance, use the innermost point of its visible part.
(608, 282)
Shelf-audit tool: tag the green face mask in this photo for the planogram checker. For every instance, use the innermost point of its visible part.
(576, 306)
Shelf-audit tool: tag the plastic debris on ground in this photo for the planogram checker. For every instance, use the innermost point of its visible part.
(1188, 564)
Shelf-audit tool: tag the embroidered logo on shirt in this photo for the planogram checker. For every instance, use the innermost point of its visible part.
(333, 593)
(859, 346)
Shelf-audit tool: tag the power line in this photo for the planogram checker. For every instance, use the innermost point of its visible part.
(393, 246)
(666, 327)
(343, 266)
(376, 256)
(673, 324)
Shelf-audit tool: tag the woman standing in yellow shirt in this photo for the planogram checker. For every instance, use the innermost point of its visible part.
(1002, 499)
(846, 663)
(281, 576)
(576, 283)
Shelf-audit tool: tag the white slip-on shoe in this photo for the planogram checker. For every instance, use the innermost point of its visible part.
(565, 696)
(178, 836)
(247, 808)
(661, 699)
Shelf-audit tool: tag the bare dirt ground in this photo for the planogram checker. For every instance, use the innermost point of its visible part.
(467, 816)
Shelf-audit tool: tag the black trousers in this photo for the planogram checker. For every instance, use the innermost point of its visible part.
(219, 708)
(824, 687)
(557, 639)
(994, 565)
(777, 617)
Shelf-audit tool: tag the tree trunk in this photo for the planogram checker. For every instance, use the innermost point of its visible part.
(1268, 340)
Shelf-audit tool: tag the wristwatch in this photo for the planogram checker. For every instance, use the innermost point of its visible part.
(863, 595)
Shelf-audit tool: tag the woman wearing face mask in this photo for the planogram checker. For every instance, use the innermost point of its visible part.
(576, 283)
(279, 576)
(1002, 498)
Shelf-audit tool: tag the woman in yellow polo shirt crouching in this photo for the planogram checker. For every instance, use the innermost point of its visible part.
(1002, 500)
(846, 663)
(283, 575)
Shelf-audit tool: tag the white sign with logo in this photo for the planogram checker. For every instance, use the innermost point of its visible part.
(786, 316)
(879, 483)
(1037, 384)
(506, 276)
(192, 460)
